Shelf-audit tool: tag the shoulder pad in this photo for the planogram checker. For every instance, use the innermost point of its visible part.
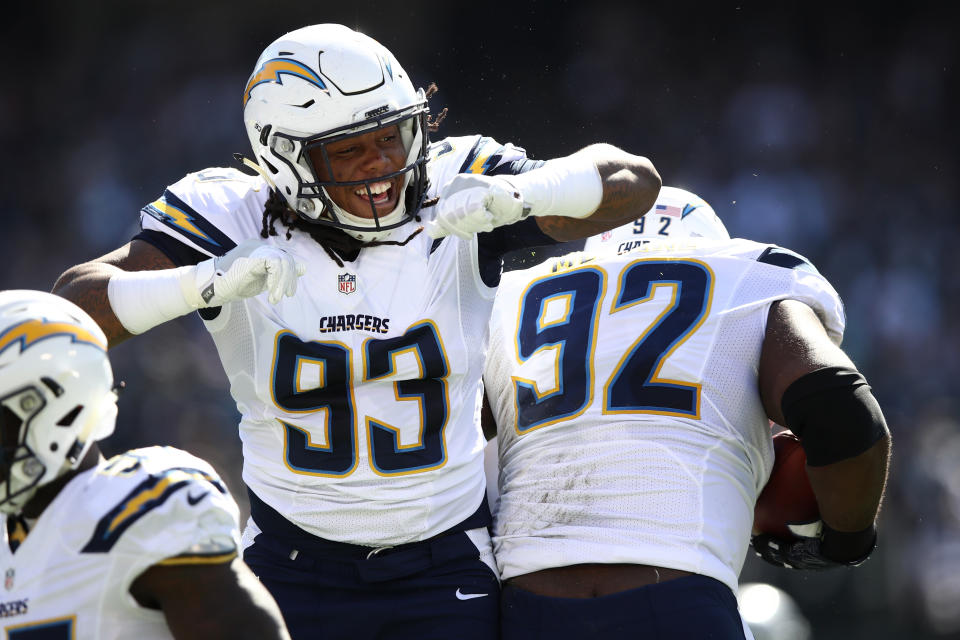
(211, 210)
(472, 154)
(154, 476)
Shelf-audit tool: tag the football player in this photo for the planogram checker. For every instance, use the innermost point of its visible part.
(632, 385)
(143, 545)
(359, 382)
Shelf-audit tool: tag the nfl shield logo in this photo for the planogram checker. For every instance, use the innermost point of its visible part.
(347, 283)
(8, 580)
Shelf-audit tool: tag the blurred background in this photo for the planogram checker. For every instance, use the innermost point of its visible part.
(831, 132)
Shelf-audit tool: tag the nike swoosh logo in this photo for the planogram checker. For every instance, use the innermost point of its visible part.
(194, 500)
(470, 596)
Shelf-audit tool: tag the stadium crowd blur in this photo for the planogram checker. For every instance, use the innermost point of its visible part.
(829, 133)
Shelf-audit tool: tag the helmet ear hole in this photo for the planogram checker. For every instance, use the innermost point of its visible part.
(70, 416)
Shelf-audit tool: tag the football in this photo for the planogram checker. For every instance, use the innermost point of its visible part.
(787, 498)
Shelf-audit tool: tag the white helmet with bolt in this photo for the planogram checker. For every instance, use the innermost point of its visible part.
(321, 84)
(56, 391)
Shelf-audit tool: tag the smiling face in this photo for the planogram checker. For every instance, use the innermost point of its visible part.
(365, 156)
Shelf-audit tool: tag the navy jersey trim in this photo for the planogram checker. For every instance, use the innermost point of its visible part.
(492, 246)
(145, 497)
(179, 253)
(181, 217)
(514, 167)
(780, 257)
(529, 257)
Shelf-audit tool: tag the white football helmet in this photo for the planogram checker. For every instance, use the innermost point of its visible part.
(676, 214)
(320, 84)
(56, 391)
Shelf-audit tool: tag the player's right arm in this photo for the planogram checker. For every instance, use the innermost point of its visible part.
(204, 602)
(86, 284)
(810, 385)
(137, 287)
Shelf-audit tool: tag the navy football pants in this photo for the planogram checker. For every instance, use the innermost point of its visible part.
(420, 592)
(438, 588)
(688, 608)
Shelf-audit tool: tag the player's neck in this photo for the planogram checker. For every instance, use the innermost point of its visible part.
(48, 492)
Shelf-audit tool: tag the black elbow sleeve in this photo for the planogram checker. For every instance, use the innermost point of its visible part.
(833, 412)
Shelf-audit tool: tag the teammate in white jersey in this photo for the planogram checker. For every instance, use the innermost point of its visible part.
(359, 382)
(632, 385)
(144, 545)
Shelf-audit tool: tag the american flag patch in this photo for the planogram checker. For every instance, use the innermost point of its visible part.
(666, 210)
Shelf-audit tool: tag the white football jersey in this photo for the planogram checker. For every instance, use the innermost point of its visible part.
(70, 577)
(360, 394)
(625, 390)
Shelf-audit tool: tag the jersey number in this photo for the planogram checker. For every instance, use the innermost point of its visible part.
(338, 456)
(635, 385)
(56, 629)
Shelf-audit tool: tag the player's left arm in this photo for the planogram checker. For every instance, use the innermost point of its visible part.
(597, 188)
(208, 601)
(810, 385)
(630, 185)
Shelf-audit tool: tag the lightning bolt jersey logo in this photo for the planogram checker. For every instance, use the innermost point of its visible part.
(30, 332)
(484, 157)
(274, 70)
(165, 212)
(178, 215)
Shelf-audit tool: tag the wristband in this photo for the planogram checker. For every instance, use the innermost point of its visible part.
(569, 187)
(142, 300)
(851, 547)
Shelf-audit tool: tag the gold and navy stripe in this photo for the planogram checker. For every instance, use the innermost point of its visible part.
(178, 215)
(145, 497)
(62, 627)
(198, 558)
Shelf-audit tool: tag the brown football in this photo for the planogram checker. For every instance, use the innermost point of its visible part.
(787, 498)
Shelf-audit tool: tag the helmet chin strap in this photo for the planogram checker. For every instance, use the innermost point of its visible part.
(256, 167)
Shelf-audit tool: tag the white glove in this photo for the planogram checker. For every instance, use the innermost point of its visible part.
(474, 203)
(143, 299)
(247, 270)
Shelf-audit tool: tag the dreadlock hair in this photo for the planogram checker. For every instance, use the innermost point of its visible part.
(339, 246)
